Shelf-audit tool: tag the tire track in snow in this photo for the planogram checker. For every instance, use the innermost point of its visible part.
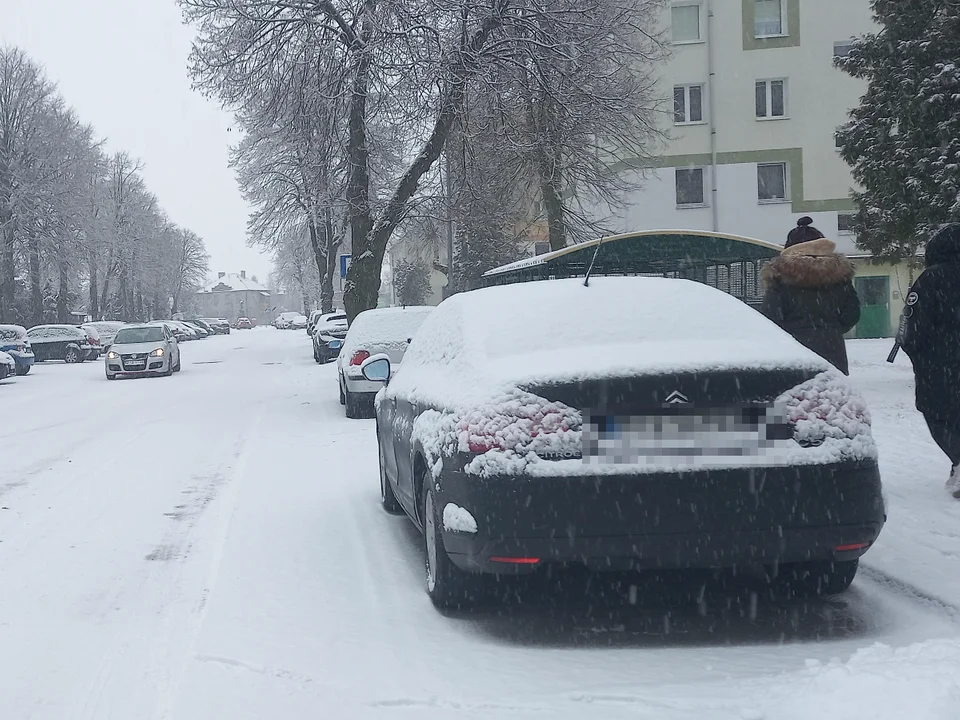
(905, 590)
(138, 670)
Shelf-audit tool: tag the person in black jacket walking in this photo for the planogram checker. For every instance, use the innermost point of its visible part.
(810, 293)
(931, 337)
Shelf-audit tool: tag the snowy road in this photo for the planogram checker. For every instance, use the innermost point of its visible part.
(211, 546)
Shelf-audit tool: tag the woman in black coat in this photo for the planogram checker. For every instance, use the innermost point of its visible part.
(810, 293)
(931, 337)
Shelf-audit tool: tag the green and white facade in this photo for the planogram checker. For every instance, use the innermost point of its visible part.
(756, 104)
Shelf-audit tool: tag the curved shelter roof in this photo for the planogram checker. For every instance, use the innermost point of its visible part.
(729, 262)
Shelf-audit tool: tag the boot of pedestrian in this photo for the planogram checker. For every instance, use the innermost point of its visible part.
(953, 484)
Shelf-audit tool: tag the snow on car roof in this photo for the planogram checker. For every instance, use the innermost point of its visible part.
(561, 331)
(381, 328)
(12, 332)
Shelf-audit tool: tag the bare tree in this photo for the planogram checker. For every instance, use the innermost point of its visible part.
(74, 224)
(405, 70)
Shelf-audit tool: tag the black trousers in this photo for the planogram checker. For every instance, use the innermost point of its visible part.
(947, 436)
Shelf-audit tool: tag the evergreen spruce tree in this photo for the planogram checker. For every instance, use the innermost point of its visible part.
(903, 140)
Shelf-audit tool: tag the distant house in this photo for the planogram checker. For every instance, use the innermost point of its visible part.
(233, 296)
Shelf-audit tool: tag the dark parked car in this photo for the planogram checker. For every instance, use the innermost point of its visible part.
(219, 325)
(60, 342)
(633, 424)
(13, 341)
(328, 334)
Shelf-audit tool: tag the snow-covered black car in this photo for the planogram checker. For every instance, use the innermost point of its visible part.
(328, 334)
(61, 342)
(636, 423)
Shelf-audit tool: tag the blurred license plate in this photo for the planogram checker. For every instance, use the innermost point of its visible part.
(609, 439)
(136, 364)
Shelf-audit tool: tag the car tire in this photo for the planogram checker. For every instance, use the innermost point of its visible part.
(316, 355)
(821, 578)
(343, 398)
(387, 499)
(446, 584)
(24, 371)
(111, 377)
(73, 355)
(352, 403)
(176, 368)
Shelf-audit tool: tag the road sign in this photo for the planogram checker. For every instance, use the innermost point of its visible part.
(345, 261)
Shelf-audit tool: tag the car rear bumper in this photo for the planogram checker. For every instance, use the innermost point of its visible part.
(23, 360)
(751, 517)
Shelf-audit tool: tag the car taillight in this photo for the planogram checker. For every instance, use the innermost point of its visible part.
(358, 357)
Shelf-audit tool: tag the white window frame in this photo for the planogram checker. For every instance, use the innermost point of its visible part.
(848, 44)
(786, 184)
(689, 3)
(844, 214)
(769, 94)
(686, 104)
(703, 183)
(784, 30)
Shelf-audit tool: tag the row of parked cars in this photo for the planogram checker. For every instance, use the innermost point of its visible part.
(629, 424)
(20, 348)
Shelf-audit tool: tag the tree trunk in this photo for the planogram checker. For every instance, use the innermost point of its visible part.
(333, 245)
(8, 272)
(553, 203)
(94, 298)
(36, 290)
(63, 308)
(369, 243)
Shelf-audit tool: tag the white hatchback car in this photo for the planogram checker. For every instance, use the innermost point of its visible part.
(373, 332)
(143, 350)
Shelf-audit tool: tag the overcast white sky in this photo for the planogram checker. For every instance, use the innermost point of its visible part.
(123, 65)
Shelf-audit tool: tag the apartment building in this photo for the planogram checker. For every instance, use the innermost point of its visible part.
(756, 102)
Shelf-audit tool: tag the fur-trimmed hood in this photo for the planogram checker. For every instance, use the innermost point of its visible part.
(812, 264)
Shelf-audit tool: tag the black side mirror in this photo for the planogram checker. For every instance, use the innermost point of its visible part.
(409, 340)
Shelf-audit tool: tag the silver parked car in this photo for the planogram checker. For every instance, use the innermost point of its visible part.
(143, 350)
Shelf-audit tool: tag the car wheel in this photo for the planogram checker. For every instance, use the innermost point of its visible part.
(73, 355)
(23, 370)
(111, 377)
(176, 368)
(446, 584)
(387, 499)
(820, 578)
(316, 355)
(353, 405)
(343, 398)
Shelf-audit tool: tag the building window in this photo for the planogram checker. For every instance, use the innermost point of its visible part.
(772, 182)
(541, 248)
(769, 19)
(685, 23)
(687, 104)
(771, 99)
(842, 49)
(845, 223)
(690, 191)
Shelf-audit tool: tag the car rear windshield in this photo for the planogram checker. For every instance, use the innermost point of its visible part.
(130, 336)
(11, 333)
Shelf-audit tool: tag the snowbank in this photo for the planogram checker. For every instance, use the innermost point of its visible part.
(921, 682)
